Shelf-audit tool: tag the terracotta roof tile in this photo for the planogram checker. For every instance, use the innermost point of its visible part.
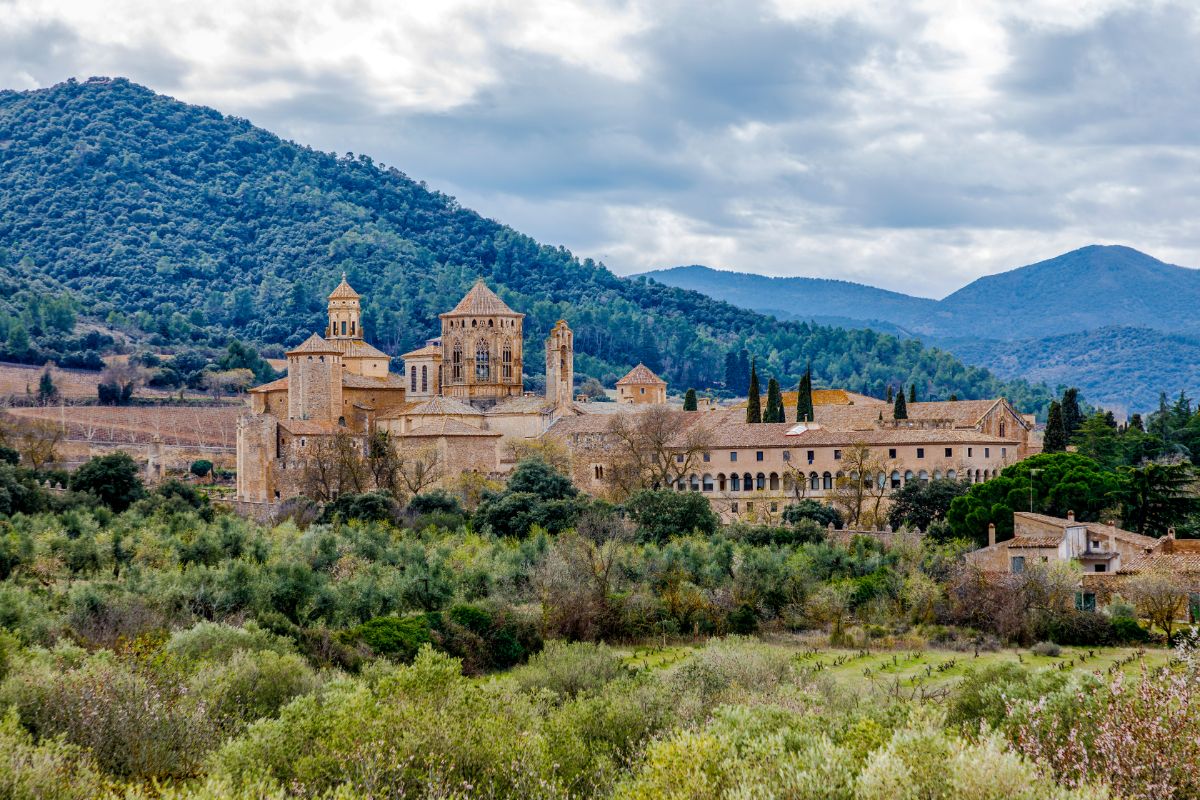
(278, 385)
(426, 351)
(442, 406)
(314, 344)
(390, 381)
(481, 301)
(357, 348)
(641, 374)
(448, 426)
(1033, 541)
(343, 291)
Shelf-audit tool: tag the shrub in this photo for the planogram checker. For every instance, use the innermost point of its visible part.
(1129, 631)
(1076, 628)
(434, 502)
(51, 768)
(814, 511)
(368, 507)
(216, 641)
(399, 638)
(662, 514)
(251, 685)
(135, 726)
(113, 479)
(570, 669)
(1049, 649)
(984, 695)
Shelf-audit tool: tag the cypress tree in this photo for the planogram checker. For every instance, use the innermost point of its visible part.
(1136, 423)
(804, 400)
(47, 392)
(1072, 416)
(689, 400)
(1055, 440)
(891, 393)
(774, 403)
(753, 406)
(912, 393)
(900, 410)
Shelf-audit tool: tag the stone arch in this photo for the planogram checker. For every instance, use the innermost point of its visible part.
(814, 481)
(827, 480)
(483, 358)
(720, 481)
(773, 481)
(706, 483)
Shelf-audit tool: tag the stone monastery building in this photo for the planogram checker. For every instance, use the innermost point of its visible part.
(462, 395)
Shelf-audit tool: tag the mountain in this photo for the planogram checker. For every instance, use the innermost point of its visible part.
(814, 299)
(1122, 369)
(1092, 287)
(1119, 324)
(188, 224)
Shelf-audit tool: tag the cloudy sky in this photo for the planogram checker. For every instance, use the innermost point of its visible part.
(910, 145)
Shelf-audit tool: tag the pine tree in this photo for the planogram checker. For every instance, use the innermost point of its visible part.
(1055, 440)
(1072, 416)
(733, 371)
(689, 400)
(804, 398)
(900, 410)
(912, 393)
(47, 392)
(774, 403)
(753, 407)
(1135, 422)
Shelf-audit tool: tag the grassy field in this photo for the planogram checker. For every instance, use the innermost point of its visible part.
(922, 671)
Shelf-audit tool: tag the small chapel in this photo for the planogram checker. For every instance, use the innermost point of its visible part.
(461, 393)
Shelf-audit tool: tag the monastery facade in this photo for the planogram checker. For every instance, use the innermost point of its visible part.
(461, 395)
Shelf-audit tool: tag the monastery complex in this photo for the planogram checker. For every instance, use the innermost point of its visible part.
(459, 406)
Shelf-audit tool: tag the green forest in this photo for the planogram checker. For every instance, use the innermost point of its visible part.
(188, 224)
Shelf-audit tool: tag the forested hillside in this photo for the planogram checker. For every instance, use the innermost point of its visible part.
(179, 218)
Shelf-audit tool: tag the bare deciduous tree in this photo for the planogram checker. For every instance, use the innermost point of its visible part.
(1159, 596)
(654, 448)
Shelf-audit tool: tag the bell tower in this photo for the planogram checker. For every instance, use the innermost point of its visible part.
(560, 366)
(345, 315)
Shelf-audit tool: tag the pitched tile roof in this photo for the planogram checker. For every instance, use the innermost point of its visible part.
(641, 374)
(389, 381)
(278, 385)
(442, 406)
(343, 291)
(357, 348)
(448, 426)
(426, 351)
(1033, 541)
(481, 301)
(314, 344)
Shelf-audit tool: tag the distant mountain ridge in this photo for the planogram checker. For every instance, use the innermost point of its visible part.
(1092, 287)
(1118, 323)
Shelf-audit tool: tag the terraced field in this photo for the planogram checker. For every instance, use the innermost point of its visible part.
(183, 426)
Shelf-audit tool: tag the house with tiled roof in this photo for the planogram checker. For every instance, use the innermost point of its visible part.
(641, 387)
(1097, 547)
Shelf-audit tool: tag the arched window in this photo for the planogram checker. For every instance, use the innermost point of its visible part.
(483, 368)
(952, 475)
(895, 479)
(720, 481)
(760, 482)
(747, 482)
(412, 379)
(424, 378)
(343, 327)
(814, 481)
(506, 358)
(707, 483)
(456, 362)
(908, 475)
(827, 481)
(774, 484)
(924, 476)
(735, 482)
